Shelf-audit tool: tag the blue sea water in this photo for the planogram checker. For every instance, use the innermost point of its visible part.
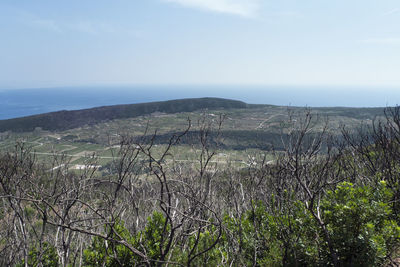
(23, 102)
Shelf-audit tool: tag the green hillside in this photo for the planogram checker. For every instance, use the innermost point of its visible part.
(63, 120)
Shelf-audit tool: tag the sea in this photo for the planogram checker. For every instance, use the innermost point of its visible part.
(30, 101)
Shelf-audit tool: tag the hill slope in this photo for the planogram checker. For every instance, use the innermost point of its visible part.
(63, 120)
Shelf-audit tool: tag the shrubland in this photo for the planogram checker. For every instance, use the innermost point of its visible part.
(324, 200)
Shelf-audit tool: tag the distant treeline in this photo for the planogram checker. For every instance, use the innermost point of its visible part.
(63, 120)
(226, 139)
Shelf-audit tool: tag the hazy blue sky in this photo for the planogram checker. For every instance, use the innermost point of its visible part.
(271, 42)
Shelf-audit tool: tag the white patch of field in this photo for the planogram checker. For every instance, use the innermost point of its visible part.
(83, 167)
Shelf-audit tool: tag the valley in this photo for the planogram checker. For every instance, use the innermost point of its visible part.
(244, 132)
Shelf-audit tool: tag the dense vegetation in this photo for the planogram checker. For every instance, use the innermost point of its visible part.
(322, 201)
(62, 120)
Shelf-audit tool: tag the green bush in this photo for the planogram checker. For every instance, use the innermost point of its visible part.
(46, 256)
(252, 239)
(359, 225)
(201, 245)
(109, 253)
(357, 219)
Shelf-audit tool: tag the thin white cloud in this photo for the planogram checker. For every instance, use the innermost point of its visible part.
(382, 41)
(82, 26)
(391, 12)
(90, 27)
(244, 8)
(290, 14)
(46, 24)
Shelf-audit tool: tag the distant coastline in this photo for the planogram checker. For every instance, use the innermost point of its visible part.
(24, 102)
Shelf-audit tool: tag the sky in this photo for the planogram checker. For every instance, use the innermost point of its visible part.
(46, 43)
